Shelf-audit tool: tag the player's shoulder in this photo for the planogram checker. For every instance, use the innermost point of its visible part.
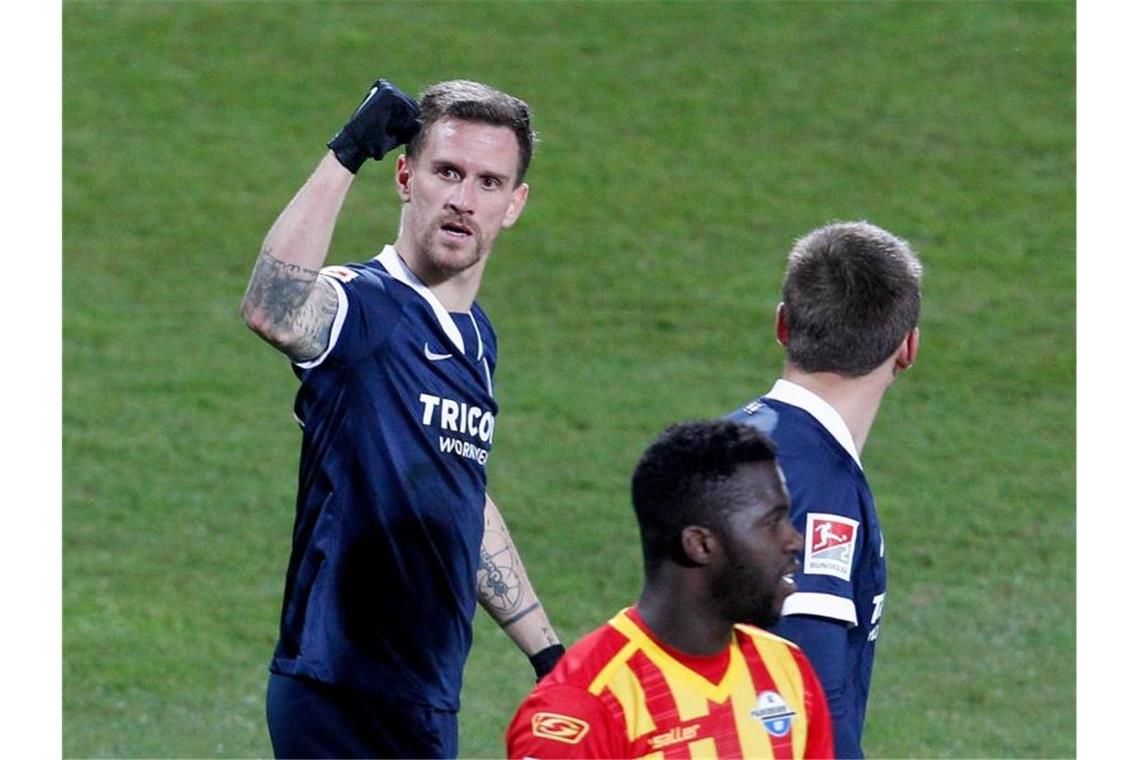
(765, 637)
(559, 720)
(767, 642)
(360, 277)
(793, 429)
(756, 413)
(564, 715)
(588, 658)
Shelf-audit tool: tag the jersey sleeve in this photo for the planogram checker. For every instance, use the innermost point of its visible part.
(828, 511)
(823, 644)
(558, 721)
(366, 313)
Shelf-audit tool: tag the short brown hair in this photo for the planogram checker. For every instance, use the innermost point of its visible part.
(851, 293)
(473, 101)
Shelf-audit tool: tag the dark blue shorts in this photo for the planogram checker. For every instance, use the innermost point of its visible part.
(312, 719)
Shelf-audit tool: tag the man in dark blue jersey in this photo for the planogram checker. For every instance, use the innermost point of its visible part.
(395, 538)
(849, 322)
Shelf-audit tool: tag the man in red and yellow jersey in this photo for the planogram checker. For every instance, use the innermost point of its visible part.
(689, 671)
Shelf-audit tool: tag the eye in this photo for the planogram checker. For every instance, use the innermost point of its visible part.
(775, 519)
(448, 172)
(492, 183)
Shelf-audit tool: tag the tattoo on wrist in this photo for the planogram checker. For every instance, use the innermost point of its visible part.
(516, 618)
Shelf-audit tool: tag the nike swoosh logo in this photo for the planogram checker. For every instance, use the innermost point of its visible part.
(433, 356)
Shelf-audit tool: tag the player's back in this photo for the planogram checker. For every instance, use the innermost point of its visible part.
(842, 575)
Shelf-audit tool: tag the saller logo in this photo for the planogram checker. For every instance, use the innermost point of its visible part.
(674, 736)
(829, 545)
(560, 728)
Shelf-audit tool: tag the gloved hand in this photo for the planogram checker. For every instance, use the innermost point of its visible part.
(385, 119)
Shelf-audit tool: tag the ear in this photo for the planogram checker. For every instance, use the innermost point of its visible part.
(518, 203)
(699, 544)
(403, 178)
(908, 352)
(781, 325)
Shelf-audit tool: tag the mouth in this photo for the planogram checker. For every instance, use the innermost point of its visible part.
(455, 229)
(789, 577)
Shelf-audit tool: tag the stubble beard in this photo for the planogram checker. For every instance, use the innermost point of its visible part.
(447, 260)
(738, 594)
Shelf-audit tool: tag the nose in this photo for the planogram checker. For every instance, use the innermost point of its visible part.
(462, 197)
(795, 542)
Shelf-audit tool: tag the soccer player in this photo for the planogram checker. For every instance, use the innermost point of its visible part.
(686, 672)
(395, 537)
(848, 320)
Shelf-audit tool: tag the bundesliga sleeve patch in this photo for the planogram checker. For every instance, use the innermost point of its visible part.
(344, 274)
(560, 728)
(829, 545)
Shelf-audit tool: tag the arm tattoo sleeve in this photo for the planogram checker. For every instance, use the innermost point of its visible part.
(294, 307)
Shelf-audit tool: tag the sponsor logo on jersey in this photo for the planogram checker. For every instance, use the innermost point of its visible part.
(560, 728)
(829, 545)
(675, 735)
(474, 424)
(772, 711)
(344, 274)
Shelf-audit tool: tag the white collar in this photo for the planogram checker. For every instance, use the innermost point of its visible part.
(396, 267)
(799, 396)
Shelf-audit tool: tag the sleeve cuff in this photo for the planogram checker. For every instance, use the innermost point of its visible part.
(823, 605)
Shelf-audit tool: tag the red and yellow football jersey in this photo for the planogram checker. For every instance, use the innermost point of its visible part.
(620, 692)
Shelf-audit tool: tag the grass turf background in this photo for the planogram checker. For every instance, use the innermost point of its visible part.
(684, 146)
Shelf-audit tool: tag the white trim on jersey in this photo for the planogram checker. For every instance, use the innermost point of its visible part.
(478, 336)
(797, 395)
(480, 357)
(338, 322)
(824, 605)
(396, 267)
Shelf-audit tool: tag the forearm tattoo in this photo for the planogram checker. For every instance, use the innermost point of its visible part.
(289, 302)
(500, 586)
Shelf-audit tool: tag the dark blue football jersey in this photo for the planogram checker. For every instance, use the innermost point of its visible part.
(841, 586)
(398, 418)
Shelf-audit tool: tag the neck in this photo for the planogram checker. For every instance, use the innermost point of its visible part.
(456, 291)
(684, 621)
(856, 399)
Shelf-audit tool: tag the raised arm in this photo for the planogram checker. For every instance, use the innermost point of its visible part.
(285, 303)
(506, 594)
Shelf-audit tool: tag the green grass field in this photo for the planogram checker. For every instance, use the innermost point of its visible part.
(684, 146)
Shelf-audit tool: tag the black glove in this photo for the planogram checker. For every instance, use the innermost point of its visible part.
(385, 119)
(544, 661)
